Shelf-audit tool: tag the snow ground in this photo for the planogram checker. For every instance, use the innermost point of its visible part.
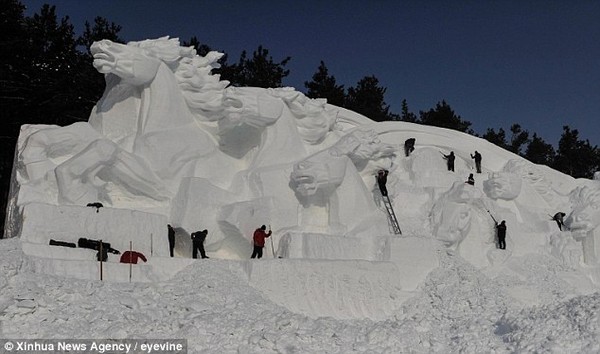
(212, 304)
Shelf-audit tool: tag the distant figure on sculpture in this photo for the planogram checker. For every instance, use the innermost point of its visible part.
(559, 218)
(409, 146)
(259, 241)
(470, 180)
(477, 158)
(381, 181)
(198, 238)
(501, 233)
(450, 159)
(171, 235)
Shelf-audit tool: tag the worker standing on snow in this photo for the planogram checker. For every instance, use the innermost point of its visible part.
(477, 158)
(501, 233)
(409, 146)
(171, 235)
(450, 159)
(259, 241)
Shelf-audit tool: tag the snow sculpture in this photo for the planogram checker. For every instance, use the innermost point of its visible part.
(452, 215)
(502, 185)
(162, 89)
(87, 166)
(316, 178)
(584, 221)
(313, 119)
(459, 222)
(533, 177)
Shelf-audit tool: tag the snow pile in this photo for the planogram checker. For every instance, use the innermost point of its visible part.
(170, 143)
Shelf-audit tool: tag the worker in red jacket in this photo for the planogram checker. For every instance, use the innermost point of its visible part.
(259, 241)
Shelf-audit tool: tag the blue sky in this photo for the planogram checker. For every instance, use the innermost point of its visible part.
(536, 63)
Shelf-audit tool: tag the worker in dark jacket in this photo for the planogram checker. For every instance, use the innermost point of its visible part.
(381, 181)
(198, 238)
(450, 159)
(470, 180)
(501, 233)
(559, 218)
(477, 158)
(409, 146)
(259, 241)
(171, 234)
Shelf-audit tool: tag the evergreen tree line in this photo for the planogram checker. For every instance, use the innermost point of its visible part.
(46, 77)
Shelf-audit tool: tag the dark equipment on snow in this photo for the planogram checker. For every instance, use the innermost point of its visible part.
(96, 205)
(95, 245)
(62, 243)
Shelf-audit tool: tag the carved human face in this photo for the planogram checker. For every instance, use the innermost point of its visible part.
(503, 185)
(584, 218)
(453, 223)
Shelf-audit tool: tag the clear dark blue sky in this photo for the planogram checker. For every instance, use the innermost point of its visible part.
(536, 63)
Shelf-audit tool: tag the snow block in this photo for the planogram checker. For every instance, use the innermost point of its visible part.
(339, 289)
(294, 244)
(43, 222)
(155, 270)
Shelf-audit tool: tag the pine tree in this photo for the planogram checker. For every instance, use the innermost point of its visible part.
(367, 98)
(518, 138)
(539, 152)
(406, 115)
(102, 29)
(90, 81)
(201, 49)
(576, 157)
(324, 85)
(443, 116)
(259, 71)
(497, 138)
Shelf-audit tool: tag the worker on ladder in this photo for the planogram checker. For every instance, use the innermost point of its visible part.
(381, 181)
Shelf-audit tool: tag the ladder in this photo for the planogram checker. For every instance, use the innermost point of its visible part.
(392, 216)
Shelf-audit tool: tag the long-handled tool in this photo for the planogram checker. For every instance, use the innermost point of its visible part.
(272, 247)
(492, 216)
